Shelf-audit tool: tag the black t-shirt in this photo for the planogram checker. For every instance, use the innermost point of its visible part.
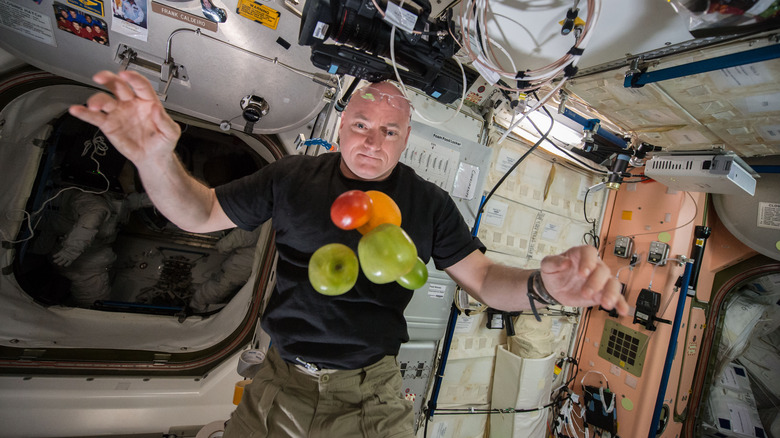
(363, 325)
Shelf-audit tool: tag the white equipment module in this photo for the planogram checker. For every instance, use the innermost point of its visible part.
(710, 173)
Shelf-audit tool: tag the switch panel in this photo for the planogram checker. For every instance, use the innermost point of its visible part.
(658, 253)
(623, 246)
(416, 360)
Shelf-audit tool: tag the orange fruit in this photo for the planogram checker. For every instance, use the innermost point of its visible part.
(384, 211)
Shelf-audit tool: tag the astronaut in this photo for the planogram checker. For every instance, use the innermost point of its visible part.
(233, 273)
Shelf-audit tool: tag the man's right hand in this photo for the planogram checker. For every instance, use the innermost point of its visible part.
(133, 119)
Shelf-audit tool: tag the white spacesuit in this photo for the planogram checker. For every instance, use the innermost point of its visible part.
(78, 231)
(233, 273)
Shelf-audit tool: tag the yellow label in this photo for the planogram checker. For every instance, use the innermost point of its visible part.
(259, 13)
(577, 22)
(626, 216)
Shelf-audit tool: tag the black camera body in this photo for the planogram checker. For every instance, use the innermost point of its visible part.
(424, 58)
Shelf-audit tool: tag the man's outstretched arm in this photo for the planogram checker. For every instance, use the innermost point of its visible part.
(135, 122)
(575, 278)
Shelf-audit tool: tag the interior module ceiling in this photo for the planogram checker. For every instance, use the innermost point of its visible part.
(736, 109)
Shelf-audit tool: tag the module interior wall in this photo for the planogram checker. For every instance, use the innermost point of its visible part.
(539, 209)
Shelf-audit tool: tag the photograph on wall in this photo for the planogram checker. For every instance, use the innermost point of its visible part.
(130, 18)
(81, 24)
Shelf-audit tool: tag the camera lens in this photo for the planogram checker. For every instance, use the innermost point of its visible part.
(365, 33)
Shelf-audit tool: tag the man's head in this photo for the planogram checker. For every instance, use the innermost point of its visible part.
(373, 132)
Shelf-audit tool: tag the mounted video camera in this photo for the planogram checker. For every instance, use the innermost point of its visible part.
(423, 57)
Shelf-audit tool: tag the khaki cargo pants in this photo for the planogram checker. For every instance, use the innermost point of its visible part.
(286, 400)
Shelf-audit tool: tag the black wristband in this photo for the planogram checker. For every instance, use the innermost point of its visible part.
(540, 290)
(532, 296)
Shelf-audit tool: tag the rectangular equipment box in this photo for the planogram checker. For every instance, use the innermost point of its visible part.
(711, 173)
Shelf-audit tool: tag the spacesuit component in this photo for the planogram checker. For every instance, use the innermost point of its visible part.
(233, 273)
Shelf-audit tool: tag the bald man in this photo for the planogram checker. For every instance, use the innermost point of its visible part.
(332, 367)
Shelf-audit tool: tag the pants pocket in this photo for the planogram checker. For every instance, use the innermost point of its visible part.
(250, 419)
(385, 412)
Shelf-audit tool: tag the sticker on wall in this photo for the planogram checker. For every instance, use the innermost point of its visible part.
(260, 13)
(212, 11)
(437, 290)
(769, 215)
(130, 18)
(183, 16)
(81, 24)
(27, 22)
(94, 6)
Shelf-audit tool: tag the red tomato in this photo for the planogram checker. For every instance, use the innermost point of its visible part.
(351, 209)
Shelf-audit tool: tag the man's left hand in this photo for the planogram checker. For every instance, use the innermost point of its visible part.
(579, 278)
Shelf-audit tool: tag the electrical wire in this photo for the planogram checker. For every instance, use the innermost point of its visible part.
(538, 105)
(594, 237)
(695, 213)
(512, 168)
(630, 267)
(468, 19)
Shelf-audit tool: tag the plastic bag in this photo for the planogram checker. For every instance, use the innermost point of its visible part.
(708, 18)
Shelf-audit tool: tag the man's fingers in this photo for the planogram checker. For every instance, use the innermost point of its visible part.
(167, 126)
(116, 84)
(83, 113)
(101, 102)
(612, 298)
(588, 258)
(555, 263)
(141, 86)
(597, 281)
(95, 111)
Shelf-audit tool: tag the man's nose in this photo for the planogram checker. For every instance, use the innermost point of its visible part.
(374, 138)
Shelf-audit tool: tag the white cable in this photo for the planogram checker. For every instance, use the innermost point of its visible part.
(611, 407)
(652, 274)
(536, 77)
(630, 266)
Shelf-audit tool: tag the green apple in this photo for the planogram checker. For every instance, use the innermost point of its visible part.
(333, 269)
(415, 278)
(386, 253)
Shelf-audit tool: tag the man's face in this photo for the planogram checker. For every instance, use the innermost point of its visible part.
(373, 132)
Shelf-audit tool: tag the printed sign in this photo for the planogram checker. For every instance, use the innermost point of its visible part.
(185, 17)
(27, 22)
(260, 13)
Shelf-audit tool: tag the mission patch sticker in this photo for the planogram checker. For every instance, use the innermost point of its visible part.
(94, 6)
(260, 13)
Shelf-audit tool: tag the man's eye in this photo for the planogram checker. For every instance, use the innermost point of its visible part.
(392, 133)
(360, 125)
